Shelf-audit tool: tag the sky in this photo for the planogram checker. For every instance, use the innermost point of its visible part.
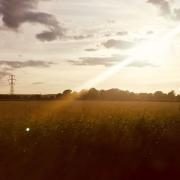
(53, 45)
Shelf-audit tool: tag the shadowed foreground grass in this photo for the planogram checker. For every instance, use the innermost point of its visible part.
(89, 140)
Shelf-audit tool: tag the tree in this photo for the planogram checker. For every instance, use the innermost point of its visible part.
(171, 95)
(67, 92)
(93, 94)
(160, 96)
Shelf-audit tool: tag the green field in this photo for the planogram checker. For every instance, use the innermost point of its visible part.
(89, 140)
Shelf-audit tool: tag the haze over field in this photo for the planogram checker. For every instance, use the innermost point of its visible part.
(55, 45)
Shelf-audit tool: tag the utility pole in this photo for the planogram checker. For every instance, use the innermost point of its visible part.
(11, 83)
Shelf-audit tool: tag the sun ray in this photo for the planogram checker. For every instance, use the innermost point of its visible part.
(143, 50)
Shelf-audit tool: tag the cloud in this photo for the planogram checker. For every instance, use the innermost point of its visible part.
(177, 14)
(107, 61)
(37, 83)
(141, 64)
(3, 73)
(107, 35)
(17, 12)
(80, 37)
(122, 33)
(118, 44)
(163, 5)
(6, 67)
(166, 9)
(111, 21)
(23, 64)
(94, 61)
(150, 32)
(91, 49)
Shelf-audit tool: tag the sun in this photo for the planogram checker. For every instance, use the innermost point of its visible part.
(153, 51)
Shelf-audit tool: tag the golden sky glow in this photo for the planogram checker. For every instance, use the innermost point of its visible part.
(76, 44)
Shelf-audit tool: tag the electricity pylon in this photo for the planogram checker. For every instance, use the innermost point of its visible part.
(11, 83)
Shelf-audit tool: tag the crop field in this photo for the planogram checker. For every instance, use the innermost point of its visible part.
(89, 140)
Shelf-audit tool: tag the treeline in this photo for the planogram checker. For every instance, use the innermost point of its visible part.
(27, 97)
(101, 95)
(119, 95)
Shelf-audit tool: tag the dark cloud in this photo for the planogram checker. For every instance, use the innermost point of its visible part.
(17, 12)
(107, 61)
(163, 5)
(118, 44)
(23, 64)
(91, 49)
(49, 35)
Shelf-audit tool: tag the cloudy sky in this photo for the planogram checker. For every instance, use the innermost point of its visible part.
(52, 45)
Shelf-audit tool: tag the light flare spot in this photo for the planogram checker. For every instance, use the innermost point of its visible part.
(27, 129)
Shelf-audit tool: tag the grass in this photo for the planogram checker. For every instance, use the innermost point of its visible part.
(89, 140)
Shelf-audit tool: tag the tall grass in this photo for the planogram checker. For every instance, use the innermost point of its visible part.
(89, 140)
